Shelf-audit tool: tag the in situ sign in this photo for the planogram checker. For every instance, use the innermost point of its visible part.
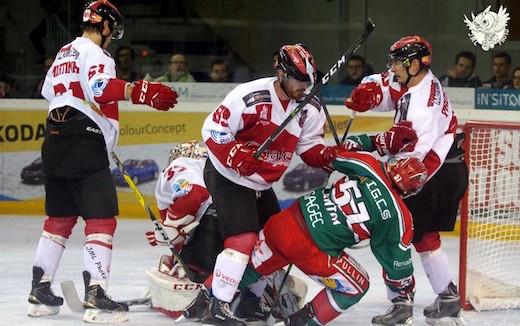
(497, 99)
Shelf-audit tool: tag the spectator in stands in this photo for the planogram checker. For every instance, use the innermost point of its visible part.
(219, 72)
(275, 58)
(46, 64)
(356, 68)
(124, 58)
(178, 70)
(6, 87)
(501, 68)
(461, 74)
(516, 78)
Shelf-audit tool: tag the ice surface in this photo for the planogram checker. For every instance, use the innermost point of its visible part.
(132, 255)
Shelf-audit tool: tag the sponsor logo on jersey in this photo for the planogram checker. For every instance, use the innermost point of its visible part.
(435, 94)
(313, 209)
(99, 86)
(94, 130)
(402, 264)
(67, 51)
(257, 97)
(221, 137)
(488, 28)
(181, 188)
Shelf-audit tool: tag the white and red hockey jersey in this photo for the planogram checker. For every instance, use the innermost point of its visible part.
(249, 114)
(181, 188)
(80, 72)
(428, 108)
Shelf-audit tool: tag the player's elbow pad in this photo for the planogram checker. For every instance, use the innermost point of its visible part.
(109, 90)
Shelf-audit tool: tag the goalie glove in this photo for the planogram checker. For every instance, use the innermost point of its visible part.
(177, 230)
(156, 95)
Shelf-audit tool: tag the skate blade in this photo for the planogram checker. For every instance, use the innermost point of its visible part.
(98, 316)
(407, 322)
(446, 321)
(40, 310)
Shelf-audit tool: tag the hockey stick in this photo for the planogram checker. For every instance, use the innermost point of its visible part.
(76, 305)
(348, 126)
(314, 90)
(195, 277)
(331, 124)
(270, 319)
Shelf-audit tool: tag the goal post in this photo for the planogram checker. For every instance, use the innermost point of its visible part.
(489, 268)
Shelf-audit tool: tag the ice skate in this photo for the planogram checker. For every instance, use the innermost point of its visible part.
(197, 308)
(304, 316)
(42, 301)
(219, 314)
(100, 308)
(399, 314)
(250, 308)
(446, 310)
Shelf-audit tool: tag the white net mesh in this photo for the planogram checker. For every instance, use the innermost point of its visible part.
(493, 229)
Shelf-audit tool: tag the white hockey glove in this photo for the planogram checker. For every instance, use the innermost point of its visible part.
(171, 266)
(177, 231)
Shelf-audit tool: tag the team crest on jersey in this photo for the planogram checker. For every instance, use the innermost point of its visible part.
(264, 113)
(257, 97)
(488, 28)
(180, 188)
(221, 137)
(99, 87)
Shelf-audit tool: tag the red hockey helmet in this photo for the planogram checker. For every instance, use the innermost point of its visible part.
(411, 47)
(298, 62)
(408, 175)
(98, 11)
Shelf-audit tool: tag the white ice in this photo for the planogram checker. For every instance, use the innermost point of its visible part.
(132, 255)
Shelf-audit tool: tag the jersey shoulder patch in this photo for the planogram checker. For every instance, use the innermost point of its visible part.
(253, 98)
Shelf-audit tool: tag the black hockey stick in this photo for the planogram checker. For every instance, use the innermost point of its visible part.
(330, 122)
(314, 90)
(192, 275)
(348, 126)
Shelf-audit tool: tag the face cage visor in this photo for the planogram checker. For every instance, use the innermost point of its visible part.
(118, 31)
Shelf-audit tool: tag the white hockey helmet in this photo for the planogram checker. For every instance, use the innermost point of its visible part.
(191, 149)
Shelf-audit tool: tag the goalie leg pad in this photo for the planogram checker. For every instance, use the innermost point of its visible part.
(171, 295)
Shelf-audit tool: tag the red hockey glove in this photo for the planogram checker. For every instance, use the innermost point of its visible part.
(364, 97)
(156, 95)
(400, 138)
(241, 159)
(329, 154)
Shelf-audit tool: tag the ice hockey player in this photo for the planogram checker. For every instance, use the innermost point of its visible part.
(82, 128)
(410, 87)
(239, 183)
(189, 219)
(364, 203)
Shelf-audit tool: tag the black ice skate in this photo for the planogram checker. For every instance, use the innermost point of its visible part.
(399, 314)
(219, 314)
(304, 316)
(250, 308)
(197, 308)
(446, 310)
(42, 301)
(99, 307)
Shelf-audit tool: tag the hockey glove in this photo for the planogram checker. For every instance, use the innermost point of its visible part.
(364, 97)
(241, 159)
(156, 95)
(177, 231)
(400, 138)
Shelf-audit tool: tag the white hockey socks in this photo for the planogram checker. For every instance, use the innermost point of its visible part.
(97, 256)
(437, 268)
(229, 269)
(48, 254)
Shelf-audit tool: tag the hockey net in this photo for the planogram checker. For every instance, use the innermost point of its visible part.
(489, 276)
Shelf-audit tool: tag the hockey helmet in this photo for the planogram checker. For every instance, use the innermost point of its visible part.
(99, 11)
(408, 175)
(411, 47)
(298, 62)
(190, 149)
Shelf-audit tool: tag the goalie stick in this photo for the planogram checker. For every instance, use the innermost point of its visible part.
(75, 304)
(314, 90)
(192, 275)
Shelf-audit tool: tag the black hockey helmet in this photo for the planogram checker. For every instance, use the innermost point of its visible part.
(99, 11)
(298, 62)
(409, 48)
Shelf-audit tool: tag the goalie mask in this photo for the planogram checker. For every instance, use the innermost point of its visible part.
(408, 175)
(190, 149)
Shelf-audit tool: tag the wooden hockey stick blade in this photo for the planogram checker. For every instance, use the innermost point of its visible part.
(71, 296)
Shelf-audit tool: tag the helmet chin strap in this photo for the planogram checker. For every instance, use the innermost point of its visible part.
(410, 75)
